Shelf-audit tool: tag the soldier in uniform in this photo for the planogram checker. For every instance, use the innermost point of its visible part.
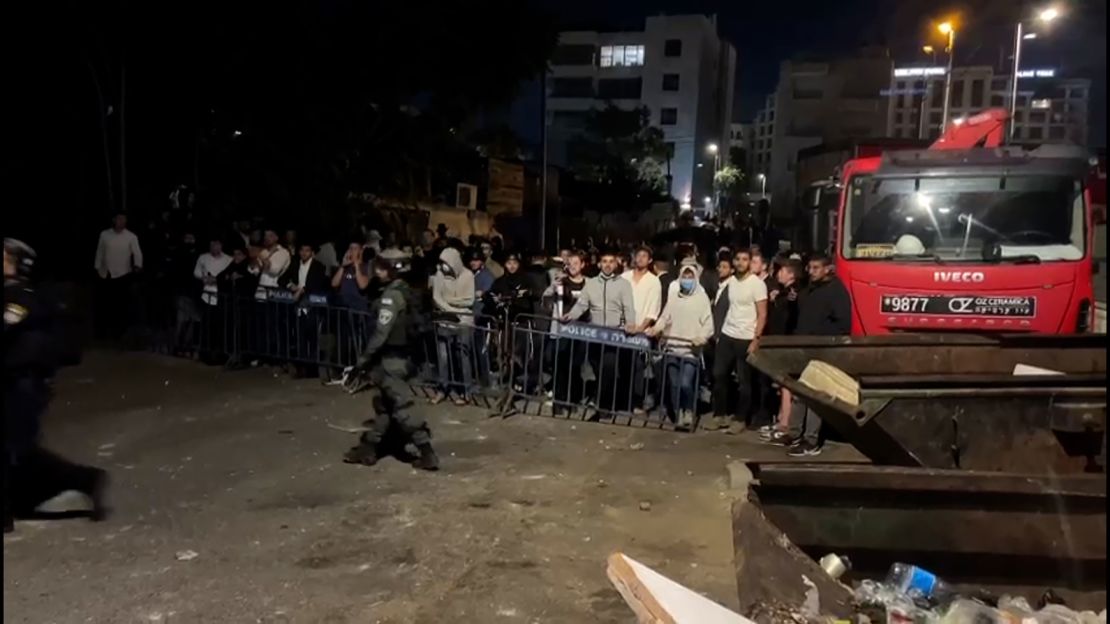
(386, 359)
(33, 350)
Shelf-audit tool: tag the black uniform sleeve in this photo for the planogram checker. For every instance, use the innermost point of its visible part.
(30, 343)
(840, 309)
(390, 311)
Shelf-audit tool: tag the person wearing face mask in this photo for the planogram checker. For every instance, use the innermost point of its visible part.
(686, 324)
(453, 296)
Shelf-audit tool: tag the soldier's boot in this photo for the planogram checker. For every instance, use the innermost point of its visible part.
(361, 454)
(427, 459)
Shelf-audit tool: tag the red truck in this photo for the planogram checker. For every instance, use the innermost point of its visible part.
(967, 236)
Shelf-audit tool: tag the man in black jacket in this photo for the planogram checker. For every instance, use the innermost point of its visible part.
(824, 309)
(308, 280)
(236, 286)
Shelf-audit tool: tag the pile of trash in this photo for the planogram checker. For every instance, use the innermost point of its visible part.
(911, 594)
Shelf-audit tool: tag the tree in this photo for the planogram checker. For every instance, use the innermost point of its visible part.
(729, 183)
(621, 157)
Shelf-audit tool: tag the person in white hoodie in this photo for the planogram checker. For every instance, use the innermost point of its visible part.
(686, 325)
(453, 295)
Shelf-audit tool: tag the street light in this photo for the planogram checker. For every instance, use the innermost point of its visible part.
(713, 149)
(1045, 16)
(762, 185)
(1049, 14)
(946, 28)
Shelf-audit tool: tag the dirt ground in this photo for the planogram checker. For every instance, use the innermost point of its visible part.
(243, 469)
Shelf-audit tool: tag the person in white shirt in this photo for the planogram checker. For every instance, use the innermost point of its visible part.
(740, 334)
(647, 298)
(647, 291)
(273, 261)
(328, 257)
(118, 258)
(208, 268)
(118, 253)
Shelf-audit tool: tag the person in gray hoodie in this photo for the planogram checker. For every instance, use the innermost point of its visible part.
(453, 294)
(686, 325)
(608, 299)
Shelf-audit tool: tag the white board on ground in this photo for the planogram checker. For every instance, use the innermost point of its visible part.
(1025, 369)
(656, 599)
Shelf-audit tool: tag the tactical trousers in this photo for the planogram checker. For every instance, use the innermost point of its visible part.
(393, 404)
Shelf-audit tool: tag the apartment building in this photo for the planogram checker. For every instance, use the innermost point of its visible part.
(1050, 108)
(817, 102)
(677, 66)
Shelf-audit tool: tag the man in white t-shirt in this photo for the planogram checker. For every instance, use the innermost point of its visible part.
(208, 268)
(118, 259)
(740, 334)
(272, 262)
(647, 298)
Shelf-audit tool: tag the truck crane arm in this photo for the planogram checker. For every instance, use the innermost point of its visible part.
(986, 129)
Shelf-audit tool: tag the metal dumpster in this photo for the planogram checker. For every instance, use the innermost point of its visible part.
(944, 401)
(992, 480)
(1005, 533)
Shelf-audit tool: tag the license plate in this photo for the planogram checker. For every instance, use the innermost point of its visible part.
(970, 305)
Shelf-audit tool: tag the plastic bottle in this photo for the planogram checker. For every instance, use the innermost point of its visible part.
(915, 581)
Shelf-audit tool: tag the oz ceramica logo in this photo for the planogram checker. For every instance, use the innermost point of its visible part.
(957, 277)
(961, 305)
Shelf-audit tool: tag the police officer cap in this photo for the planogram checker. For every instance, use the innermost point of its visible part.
(22, 254)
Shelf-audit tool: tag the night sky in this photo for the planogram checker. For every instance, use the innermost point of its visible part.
(766, 33)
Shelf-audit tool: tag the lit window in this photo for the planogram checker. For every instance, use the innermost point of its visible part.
(622, 56)
(1041, 104)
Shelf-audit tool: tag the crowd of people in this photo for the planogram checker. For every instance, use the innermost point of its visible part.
(697, 322)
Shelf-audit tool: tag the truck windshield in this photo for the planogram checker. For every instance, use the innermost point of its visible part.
(970, 219)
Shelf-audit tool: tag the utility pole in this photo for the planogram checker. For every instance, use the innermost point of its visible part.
(948, 29)
(1014, 82)
(101, 116)
(123, 133)
(543, 159)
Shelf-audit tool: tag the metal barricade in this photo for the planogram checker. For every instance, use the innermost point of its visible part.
(576, 370)
(277, 329)
(533, 364)
(469, 358)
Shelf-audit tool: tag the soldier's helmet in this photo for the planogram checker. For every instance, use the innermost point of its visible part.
(22, 255)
